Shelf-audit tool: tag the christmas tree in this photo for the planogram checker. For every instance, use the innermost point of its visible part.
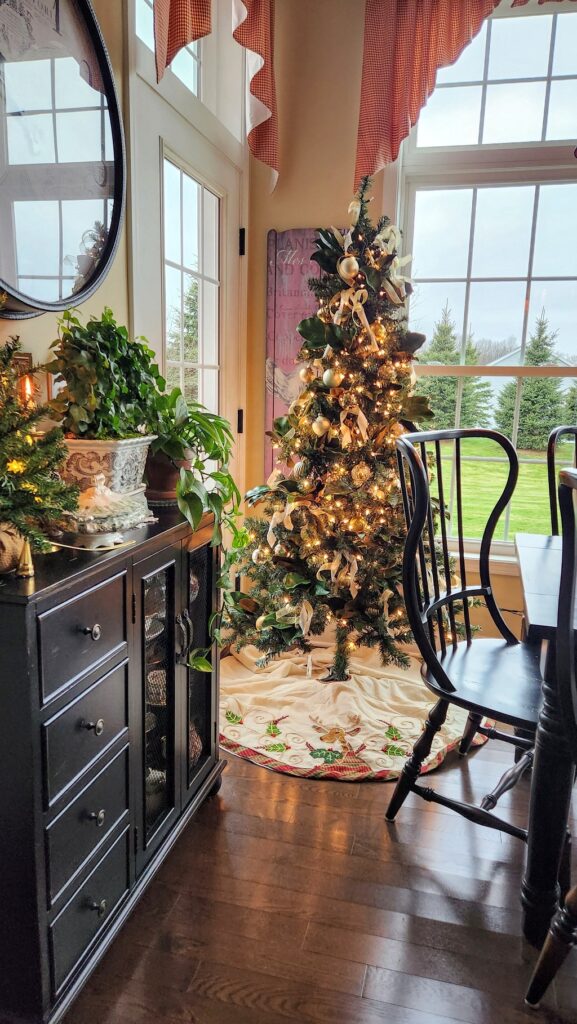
(541, 406)
(327, 546)
(475, 405)
(31, 494)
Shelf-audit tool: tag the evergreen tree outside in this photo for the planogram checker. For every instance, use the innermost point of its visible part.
(570, 406)
(541, 406)
(441, 392)
(328, 544)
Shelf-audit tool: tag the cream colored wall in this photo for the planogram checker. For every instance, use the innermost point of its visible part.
(37, 333)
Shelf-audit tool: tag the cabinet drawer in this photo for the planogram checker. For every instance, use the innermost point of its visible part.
(89, 910)
(77, 635)
(77, 735)
(84, 825)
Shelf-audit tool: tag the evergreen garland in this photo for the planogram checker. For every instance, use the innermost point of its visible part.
(31, 494)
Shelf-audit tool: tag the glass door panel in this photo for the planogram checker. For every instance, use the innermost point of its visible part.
(158, 665)
(199, 684)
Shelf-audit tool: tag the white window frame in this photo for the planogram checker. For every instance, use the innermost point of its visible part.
(167, 119)
(495, 164)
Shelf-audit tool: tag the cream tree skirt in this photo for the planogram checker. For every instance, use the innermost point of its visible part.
(361, 729)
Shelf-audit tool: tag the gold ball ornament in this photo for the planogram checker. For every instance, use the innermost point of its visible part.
(261, 555)
(300, 469)
(306, 485)
(321, 425)
(259, 624)
(307, 374)
(357, 525)
(348, 268)
(360, 474)
(332, 378)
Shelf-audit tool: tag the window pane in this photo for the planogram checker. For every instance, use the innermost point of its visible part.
(81, 228)
(520, 47)
(562, 119)
(530, 511)
(27, 85)
(428, 302)
(559, 301)
(145, 23)
(173, 377)
(442, 395)
(71, 89)
(514, 113)
(43, 288)
(209, 389)
(451, 117)
(503, 231)
(496, 316)
(185, 67)
(211, 228)
(191, 199)
(173, 314)
(31, 139)
(565, 58)
(190, 319)
(442, 231)
(191, 389)
(80, 137)
(555, 247)
(35, 221)
(209, 353)
(172, 212)
(469, 66)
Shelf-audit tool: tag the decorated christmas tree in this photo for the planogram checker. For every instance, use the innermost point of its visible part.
(31, 494)
(327, 545)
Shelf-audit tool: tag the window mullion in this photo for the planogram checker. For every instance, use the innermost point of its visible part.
(484, 86)
(549, 75)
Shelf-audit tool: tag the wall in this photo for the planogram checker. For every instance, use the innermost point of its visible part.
(37, 333)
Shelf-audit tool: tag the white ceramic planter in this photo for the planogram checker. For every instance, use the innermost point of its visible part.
(120, 462)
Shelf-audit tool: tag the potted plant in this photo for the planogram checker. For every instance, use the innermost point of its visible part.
(107, 386)
(188, 461)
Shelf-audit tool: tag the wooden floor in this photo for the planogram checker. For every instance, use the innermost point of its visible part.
(289, 900)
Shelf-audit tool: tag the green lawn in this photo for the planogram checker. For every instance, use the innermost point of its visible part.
(484, 481)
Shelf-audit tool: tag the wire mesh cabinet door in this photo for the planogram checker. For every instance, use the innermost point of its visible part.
(201, 703)
(156, 583)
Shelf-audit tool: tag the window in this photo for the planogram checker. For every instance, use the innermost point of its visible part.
(186, 64)
(192, 289)
(491, 210)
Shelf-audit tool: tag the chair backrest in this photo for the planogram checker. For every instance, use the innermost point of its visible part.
(554, 437)
(566, 636)
(438, 603)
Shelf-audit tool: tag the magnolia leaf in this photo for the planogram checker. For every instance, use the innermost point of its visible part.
(294, 579)
(411, 341)
(416, 407)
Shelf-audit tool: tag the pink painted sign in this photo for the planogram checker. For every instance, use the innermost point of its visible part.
(288, 302)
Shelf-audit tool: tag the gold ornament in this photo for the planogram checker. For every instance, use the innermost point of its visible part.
(261, 555)
(307, 374)
(321, 425)
(259, 624)
(357, 525)
(360, 474)
(348, 268)
(306, 485)
(332, 378)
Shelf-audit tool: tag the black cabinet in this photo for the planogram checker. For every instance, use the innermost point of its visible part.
(108, 743)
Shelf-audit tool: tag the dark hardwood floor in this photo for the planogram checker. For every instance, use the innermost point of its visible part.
(293, 901)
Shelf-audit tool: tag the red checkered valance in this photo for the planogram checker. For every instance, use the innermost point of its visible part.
(180, 22)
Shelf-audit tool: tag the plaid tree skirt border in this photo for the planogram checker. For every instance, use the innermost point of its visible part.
(363, 729)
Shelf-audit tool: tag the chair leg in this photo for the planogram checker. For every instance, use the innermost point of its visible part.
(565, 867)
(557, 945)
(421, 751)
(473, 723)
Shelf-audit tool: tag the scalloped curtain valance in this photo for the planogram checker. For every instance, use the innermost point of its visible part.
(405, 44)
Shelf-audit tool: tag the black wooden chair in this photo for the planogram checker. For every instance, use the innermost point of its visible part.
(496, 679)
(563, 930)
(555, 436)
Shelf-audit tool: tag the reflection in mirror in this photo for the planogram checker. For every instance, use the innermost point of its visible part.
(60, 190)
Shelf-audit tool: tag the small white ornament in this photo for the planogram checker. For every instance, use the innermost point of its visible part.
(348, 268)
(332, 378)
(306, 374)
(321, 425)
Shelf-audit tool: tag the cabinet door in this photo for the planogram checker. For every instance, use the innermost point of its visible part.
(200, 713)
(156, 585)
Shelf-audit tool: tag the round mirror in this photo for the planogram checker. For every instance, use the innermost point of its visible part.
(62, 162)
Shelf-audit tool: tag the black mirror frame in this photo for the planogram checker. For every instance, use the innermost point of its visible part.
(24, 306)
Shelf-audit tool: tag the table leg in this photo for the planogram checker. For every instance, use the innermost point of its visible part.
(553, 775)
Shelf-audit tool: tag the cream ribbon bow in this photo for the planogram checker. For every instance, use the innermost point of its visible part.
(282, 516)
(352, 299)
(362, 424)
(305, 617)
(346, 575)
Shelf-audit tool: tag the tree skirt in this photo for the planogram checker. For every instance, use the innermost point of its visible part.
(361, 729)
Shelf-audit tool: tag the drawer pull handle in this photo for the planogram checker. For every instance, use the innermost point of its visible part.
(94, 631)
(96, 727)
(100, 908)
(97, 817)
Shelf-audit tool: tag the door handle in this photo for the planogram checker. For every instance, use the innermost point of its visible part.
(189, 630)
(182, 629)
